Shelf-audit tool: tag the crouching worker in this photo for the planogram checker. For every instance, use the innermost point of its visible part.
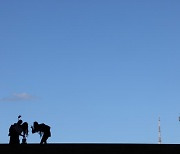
(43, 130)
(25, 131)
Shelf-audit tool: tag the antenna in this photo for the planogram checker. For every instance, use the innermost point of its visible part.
(159, 132)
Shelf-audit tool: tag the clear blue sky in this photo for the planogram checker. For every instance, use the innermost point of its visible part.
(98, 71)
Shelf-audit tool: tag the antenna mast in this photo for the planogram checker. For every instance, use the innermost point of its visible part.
(159, 132)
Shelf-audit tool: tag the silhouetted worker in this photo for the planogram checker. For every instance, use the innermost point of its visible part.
(25, 131)
(14, 132)
(43, 130)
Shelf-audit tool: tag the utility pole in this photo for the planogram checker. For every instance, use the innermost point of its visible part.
(159, 132)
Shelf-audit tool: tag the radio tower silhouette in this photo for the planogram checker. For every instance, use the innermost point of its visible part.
(159, 131)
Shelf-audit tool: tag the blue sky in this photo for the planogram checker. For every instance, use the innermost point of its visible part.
(98, 71)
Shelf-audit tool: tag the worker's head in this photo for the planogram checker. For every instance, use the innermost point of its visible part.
(35, 124)
(19, 122)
